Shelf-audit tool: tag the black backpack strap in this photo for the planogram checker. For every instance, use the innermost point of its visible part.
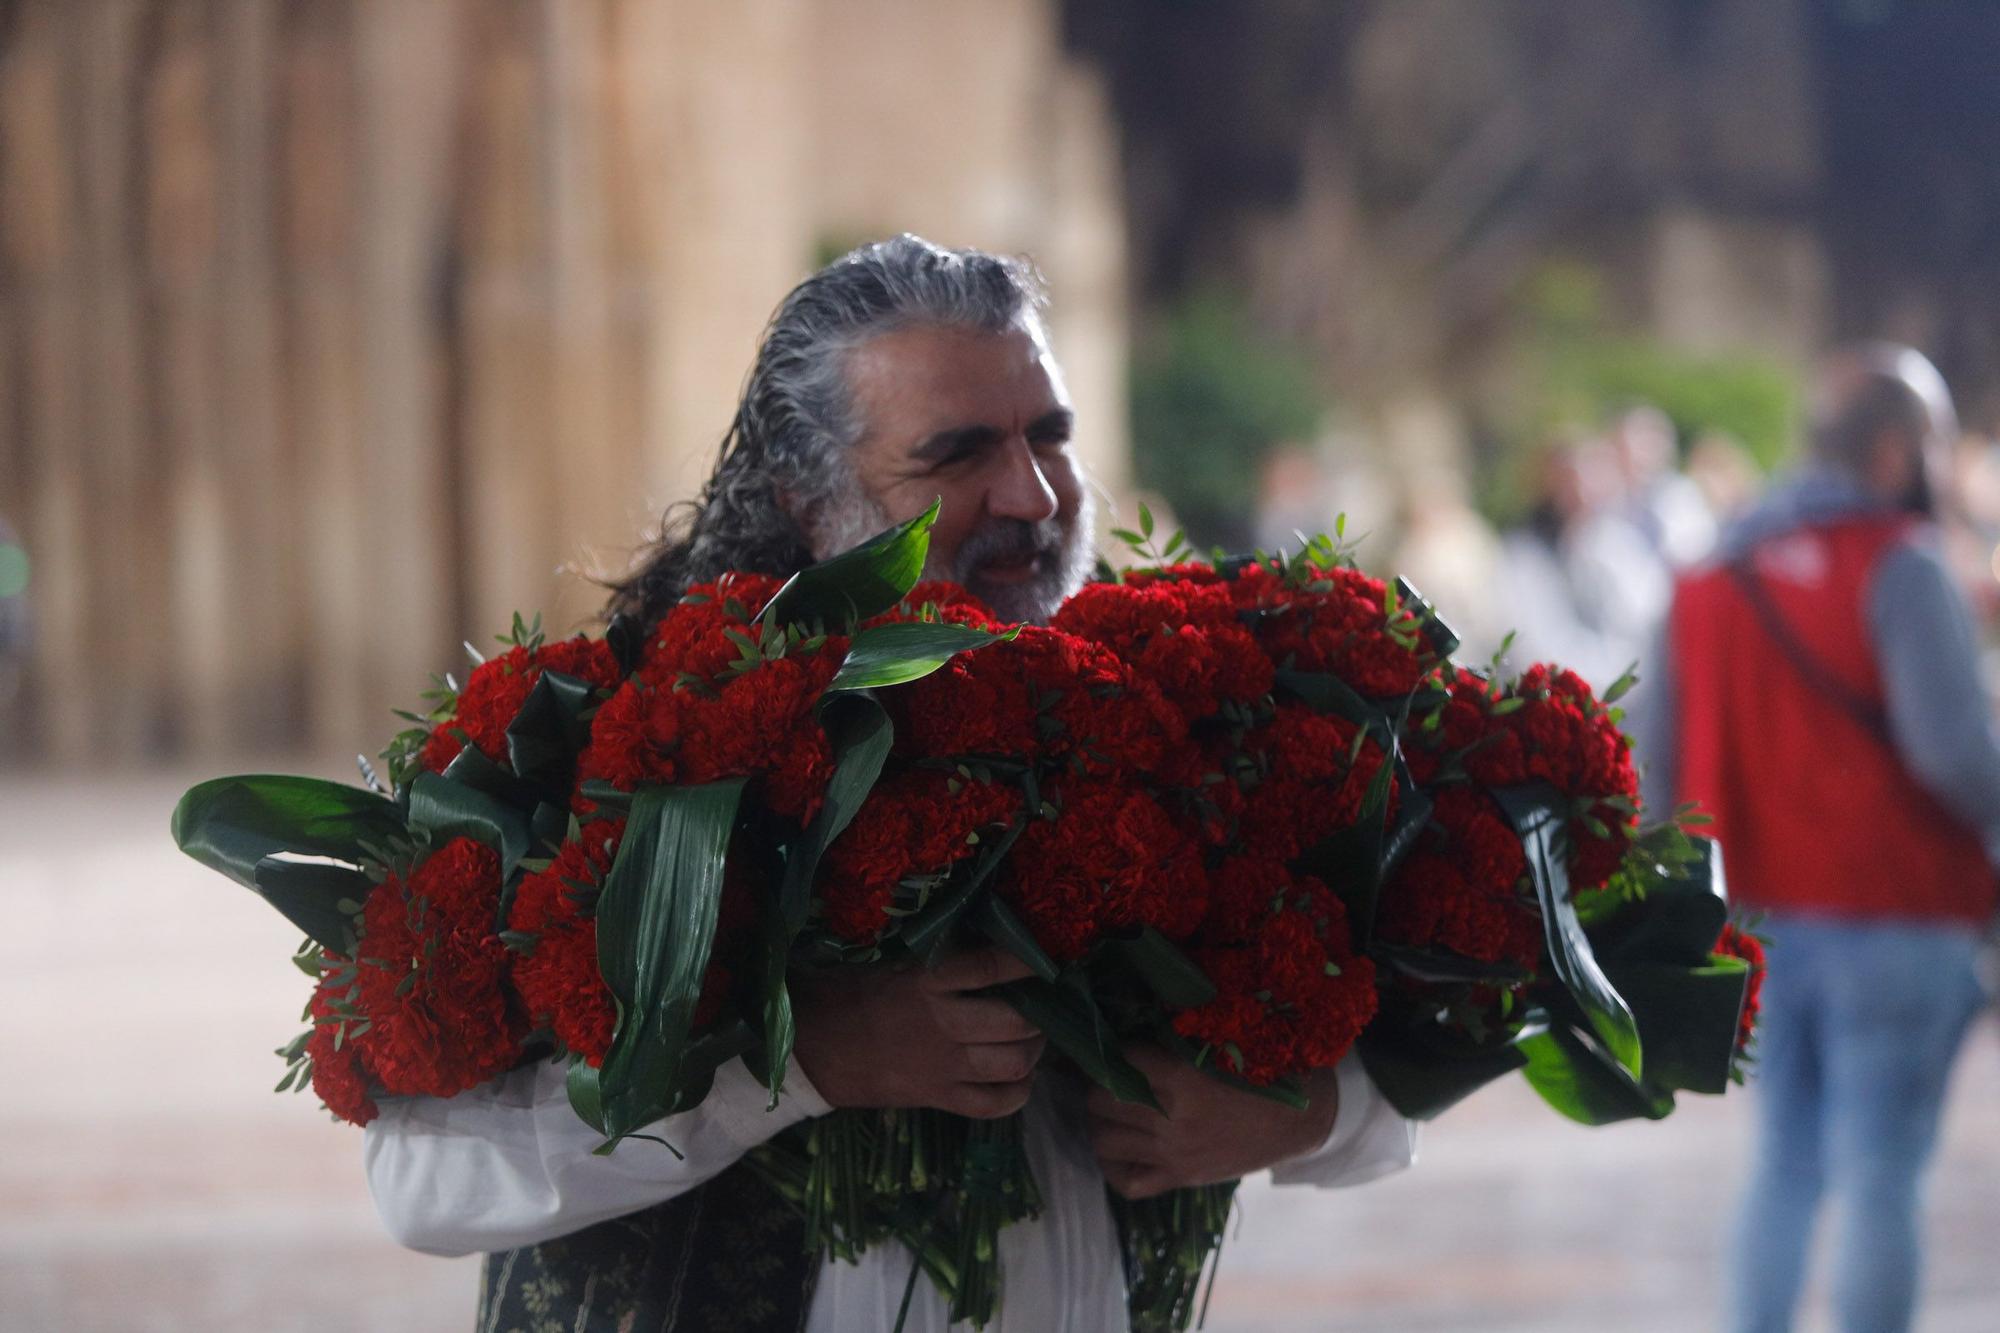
(1865, 712)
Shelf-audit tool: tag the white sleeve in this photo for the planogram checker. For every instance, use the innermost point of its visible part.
(1369, 1139)
(510, 1164)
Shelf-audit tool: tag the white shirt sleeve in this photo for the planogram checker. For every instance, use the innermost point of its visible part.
(510, 1164)
(1369, 1139)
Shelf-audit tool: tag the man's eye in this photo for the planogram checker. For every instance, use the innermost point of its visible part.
(1049, 441)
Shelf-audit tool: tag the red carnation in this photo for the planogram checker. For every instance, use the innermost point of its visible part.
(429, 976)
(1735, 942)
(915, 823)
(558, 977)
(1113, 859)
(1292, 996)
(497, 688)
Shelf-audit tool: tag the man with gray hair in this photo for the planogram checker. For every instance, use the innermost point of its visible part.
(900, 374)
(1819, 696)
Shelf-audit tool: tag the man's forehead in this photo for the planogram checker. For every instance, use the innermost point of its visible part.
(933, 376)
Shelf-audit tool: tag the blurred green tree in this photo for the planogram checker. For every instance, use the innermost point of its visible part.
(1211, 395)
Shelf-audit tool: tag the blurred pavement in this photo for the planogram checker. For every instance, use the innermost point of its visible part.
(150, 1180)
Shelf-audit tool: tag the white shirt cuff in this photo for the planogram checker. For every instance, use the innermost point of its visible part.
(1369, 1139)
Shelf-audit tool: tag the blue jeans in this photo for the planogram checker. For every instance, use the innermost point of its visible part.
(1861, 1021)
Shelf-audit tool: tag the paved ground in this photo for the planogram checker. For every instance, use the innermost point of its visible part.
(150, 1180)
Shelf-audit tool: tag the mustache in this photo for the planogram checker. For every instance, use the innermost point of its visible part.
(1009, 541)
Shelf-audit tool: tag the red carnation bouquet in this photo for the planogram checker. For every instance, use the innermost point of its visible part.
(1249, 811)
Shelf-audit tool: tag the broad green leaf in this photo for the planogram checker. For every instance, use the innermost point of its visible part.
(1325, 693)
(1536, 813)
(445, 809)
(471, 768)
(655, 929)
(309, 894)
(1167, 970)
(904, 651)
(1584, 1081)
(1687, 1019)
(1677, 921)
(859, 733)
(1007, 930)
(1421, 1078)
(549, 732)
(586, 1095)
(1438, 965)
(1068, 1016)
(929, 932)
(232, 824)
(856, 584)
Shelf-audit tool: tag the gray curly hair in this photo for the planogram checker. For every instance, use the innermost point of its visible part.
(783, 470)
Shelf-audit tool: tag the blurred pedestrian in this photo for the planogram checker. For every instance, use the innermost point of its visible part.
(1449, 553)
(1580, 584)
(1819, 696)
(1725, 474)
(1667, 508)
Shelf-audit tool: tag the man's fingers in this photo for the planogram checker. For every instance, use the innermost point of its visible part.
(1113, 1142)
(1101, 1105)
(1000, 1062)
(987, 1101)
(970, 1019)
(1137, 1180)
(976, 969)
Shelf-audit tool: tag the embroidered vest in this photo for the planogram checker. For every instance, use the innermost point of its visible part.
(728, 1257)
(1816, 808)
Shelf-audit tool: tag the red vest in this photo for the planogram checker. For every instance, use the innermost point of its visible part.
(1815, 811)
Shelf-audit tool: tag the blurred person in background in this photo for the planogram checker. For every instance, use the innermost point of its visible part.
(1817, 692)
(1449, 553)
(1722, 469)
(1667, 508)
(897, 375)
(1578, 581)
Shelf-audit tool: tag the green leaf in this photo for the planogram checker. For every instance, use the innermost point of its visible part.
(905, 651)
(316, 897)
(231, 824)
(655, 929)
(1424, 1078)
(1687, 1019)
(1438, 636)
(1068, 1016)
(1170, 973)
(859, 734)
(446, 809)
(549, 732)
(249, 827)
(857, 584)
(586, 1095)
(1537, 815)
(1324, 693)
(1007, 930)
(1584, 1081)
(929, 932)
(1677, 921)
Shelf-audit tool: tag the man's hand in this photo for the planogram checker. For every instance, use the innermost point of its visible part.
(916, 1037)
(1210, 1133)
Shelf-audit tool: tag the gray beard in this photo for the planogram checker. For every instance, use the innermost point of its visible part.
(1064, 552)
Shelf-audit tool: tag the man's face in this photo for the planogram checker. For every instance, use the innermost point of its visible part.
(982, 422)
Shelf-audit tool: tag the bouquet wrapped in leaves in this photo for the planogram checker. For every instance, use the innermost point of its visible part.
(1249, 811)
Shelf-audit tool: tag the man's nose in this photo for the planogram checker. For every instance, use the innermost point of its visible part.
(1018, 489)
